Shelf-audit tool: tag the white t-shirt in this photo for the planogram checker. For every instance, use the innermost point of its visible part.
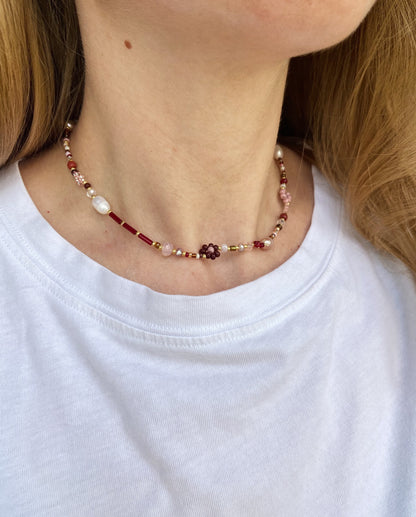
(293, 395)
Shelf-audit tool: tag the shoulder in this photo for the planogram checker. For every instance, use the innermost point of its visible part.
(371, 286)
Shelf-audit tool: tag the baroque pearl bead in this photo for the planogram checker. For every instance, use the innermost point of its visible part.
(267, 243)
(101, 205)
(241, 247)
(224, 248)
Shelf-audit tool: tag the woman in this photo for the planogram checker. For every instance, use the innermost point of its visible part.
(138, 375)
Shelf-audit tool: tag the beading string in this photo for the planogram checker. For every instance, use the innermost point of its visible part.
(207, 251)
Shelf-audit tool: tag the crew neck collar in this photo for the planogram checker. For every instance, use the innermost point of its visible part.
(65, 269)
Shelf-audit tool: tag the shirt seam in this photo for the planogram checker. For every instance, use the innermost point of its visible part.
(130, 330)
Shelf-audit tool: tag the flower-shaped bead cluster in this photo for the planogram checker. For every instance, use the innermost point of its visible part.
(211, 251)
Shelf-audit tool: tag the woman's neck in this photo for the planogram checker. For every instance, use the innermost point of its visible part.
(180, 137)
(178, 133)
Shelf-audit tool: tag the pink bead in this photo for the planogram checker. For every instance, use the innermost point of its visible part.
(78, 177)
(167, 248)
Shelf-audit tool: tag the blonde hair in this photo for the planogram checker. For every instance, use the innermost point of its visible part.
(41, 74)
(353, 104)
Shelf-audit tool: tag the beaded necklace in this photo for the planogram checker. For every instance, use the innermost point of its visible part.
(207, 251)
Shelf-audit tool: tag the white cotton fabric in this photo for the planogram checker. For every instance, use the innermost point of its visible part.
(292, 395)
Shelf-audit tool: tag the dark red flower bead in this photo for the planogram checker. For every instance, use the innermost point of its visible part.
(211, 251)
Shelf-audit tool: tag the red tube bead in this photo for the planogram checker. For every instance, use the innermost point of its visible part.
(129, 228)
(145, 239)
(115, 217)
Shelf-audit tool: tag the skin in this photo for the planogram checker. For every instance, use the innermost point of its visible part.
(177, 131)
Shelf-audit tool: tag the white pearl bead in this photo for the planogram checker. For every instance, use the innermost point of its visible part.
(91, 193)
(224, 248)
(278, 152)
(198, 256)
(241, 247)
(179, 252)
(101, 205)
(267, 243)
